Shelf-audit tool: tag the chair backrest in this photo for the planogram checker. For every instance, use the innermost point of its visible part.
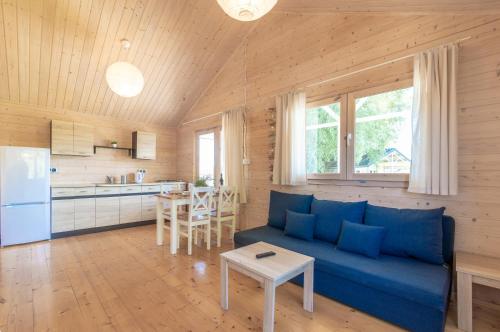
(200, 201)
(226, 201)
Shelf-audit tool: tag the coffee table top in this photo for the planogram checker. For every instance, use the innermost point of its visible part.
(276, 268)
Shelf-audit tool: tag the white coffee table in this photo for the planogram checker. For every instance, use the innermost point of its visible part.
(270, 271)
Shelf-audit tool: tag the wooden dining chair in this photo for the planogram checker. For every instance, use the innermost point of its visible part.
(197, 216)
(225, 213)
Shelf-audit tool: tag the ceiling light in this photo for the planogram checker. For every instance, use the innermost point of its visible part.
(124, 78)
(247, 10)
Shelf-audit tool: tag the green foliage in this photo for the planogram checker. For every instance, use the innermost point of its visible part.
(202, 182)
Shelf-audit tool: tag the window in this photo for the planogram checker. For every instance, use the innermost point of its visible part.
(208, 155)
(367, 138)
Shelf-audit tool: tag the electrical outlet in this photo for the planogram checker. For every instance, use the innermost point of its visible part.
(246, 161)
(54, 170)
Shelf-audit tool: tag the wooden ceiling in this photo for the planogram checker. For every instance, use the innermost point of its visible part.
(54, 53)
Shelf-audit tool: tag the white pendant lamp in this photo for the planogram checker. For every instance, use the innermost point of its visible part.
(247, 10)
(123, 78)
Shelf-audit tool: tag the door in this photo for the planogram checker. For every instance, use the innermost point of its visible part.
(130, 209)
(63, 215)
(83, 140)
(107, 211)
(24, 175)
(24, 223)
(84, 213)
(62, 137)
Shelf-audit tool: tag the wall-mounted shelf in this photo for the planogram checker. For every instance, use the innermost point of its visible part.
(112, 148)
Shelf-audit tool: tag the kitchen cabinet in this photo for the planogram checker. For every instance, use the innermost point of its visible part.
(148, 207)
(130, 209)
(71, 138)
(143, 145)
(107, 211)
(84, 213)
(63, 216)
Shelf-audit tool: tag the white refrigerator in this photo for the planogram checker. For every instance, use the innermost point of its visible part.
(24, 195)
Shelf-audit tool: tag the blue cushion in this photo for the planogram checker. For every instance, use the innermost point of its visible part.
(414, 280)
(280, 202)
(361, 239)
(409, 232)
(300, 225)
(330, 214)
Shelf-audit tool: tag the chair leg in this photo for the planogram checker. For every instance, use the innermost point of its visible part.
(178, 236)
(190, 239)
(233, 228)
(219, 231)
(207, 235)
(196, 235)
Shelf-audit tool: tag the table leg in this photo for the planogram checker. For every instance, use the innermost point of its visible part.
(269, 291)
(224, 298)
(309, 287)
(159, 222)
(173, 228)
(464, 301)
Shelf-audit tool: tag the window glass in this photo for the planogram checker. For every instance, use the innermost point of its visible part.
(383, 134)
(323, 139)
(206, 157)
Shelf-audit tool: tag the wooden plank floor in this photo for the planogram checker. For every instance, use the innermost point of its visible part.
(122, 281)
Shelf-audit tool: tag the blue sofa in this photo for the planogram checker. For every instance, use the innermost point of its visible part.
(409, 292)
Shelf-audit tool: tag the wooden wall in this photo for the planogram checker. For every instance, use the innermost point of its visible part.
(290, 51)
(30, 126)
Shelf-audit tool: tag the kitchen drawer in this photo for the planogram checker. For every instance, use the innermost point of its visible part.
(63, 192)
(167, 187)
(130, 209)
(85, 191)
(107, 190)
(63, 216)
(155, 188)
(130, 189)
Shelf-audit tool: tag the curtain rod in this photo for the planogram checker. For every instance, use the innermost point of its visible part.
(337, 77)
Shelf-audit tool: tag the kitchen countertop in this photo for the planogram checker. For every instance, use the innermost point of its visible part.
(81, 185)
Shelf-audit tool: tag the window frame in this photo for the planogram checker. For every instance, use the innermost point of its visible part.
(342, 99)
(347, 175)
(351, 131)
(217, 139)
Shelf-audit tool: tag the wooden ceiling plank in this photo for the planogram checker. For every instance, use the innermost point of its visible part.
(120, 14)
(23, 42)
(57, 45)
(81, 57)
(35, 40)
(82, 94)
(77, 10)
(4, 70)
(112, 57)
(136, 42)
(132, 30)
(10, 27)
(48, 22)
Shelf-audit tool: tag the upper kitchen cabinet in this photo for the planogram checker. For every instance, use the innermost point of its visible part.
(71, 138)
(143, 145)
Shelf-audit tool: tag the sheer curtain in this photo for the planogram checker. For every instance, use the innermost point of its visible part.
(233, 136)
(434, 155)
(289, 167)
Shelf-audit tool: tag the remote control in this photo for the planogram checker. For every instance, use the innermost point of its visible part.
(265, 254)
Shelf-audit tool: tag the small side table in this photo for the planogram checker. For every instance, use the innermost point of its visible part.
(477, 269)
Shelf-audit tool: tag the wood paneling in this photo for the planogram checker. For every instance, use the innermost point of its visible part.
(289, 51)
(30, 126)
(54, 53)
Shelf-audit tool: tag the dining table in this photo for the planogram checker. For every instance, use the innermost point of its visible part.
(172, 201)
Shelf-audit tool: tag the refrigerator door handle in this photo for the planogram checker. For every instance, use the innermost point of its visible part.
(21, 204)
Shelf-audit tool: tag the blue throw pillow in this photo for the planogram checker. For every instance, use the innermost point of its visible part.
(280, 202)
(300, 225)
(361, 239)
(410, 232)
(330, 214)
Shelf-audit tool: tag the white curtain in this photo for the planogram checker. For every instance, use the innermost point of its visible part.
(434, 155)
(233, 131)
(289, 167)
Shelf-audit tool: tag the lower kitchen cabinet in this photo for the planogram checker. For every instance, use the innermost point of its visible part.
(107, 211)
(63, 216)
(148, 207)
(84, 213)
(130, 209)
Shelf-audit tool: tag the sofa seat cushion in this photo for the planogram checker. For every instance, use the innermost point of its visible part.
(414, 280)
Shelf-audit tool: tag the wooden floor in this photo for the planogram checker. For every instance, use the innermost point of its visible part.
(121, 281)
